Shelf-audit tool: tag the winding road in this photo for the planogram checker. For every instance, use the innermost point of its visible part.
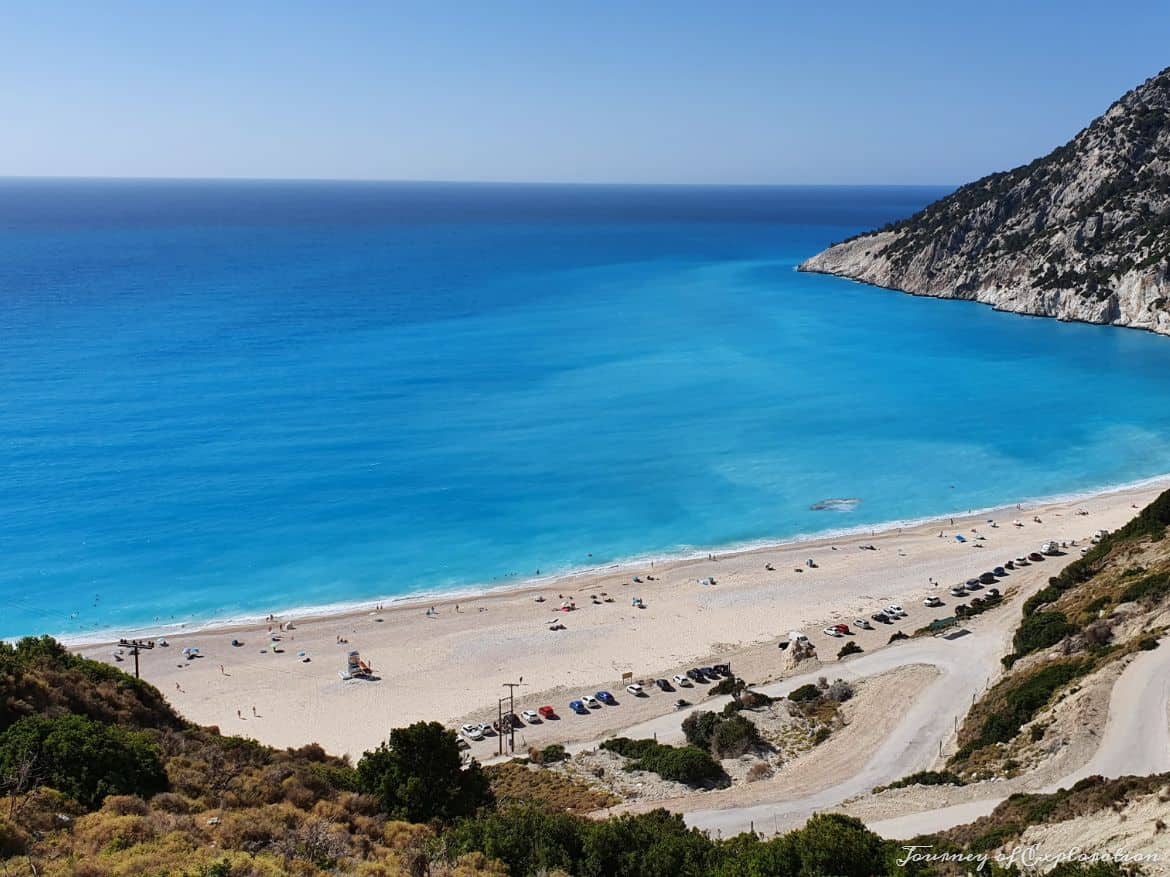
(1136, 739)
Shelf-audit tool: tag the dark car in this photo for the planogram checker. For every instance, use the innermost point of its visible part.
(1011, 564)
(1036, 557)
(881, 618)
(1000, 571)
(709, 672)
(578, 707)
(988, 578)
(663, 685)
(606, 698)
(695, 676)
(723, 669)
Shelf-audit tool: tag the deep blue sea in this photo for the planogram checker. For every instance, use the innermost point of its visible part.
(224, 399)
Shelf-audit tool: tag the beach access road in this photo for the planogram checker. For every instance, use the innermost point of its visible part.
(1136, 741)
(966, 662)
(1136, 738)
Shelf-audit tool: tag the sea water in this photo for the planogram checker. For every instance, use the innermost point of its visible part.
(223, 399)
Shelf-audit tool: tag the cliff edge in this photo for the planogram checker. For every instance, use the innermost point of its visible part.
(1080, 234)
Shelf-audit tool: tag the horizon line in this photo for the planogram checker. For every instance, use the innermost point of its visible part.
(440, 182)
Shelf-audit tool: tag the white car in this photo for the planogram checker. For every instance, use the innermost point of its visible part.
(897, 608)
(530, 716)
(932, 601)
(958, 591)
(862, 623)
(832, 631)
(894, 611)
(681, 681)
(471, 732)
(635, 689)
(590, 701)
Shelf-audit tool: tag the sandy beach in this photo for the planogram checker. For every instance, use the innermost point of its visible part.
(450, 663)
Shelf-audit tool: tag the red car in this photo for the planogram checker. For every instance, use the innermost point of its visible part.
(547, 712)
(844, 628)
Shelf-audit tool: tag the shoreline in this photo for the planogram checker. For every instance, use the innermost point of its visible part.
(110, 636)
(284, 685)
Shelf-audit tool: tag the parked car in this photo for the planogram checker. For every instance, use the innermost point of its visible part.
(842, 629)
(795, 636)
(606, 698)
(988, 578)
(1021, 561)
(880, 618)
(635, 689)
(578, 707)
(1011, 564)
(530, 716)
(723, 669)
(471, 732)
(592, 702)
(999, 571)
(710, 673)
(832, 631)
(862, 623)
(695, 675)
(1036, 557)
(958, 591)
(663, 685)
(932, 601)
(681, 704)
(895, 611)
(547, 712)
(681, 681)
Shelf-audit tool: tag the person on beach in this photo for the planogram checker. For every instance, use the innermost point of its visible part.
(254, 713)
(239, 715)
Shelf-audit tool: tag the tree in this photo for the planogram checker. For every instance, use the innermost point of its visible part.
(418, 775)
(83, 758)
(841, 845)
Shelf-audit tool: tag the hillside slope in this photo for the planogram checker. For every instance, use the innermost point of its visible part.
(1080, 234)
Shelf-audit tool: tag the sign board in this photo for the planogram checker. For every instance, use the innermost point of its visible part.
(627, 676)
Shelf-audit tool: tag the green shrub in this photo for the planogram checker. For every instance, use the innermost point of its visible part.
(683, 764)
(805, 693)
(553, 753)
(82, 758)
(1040, 631)
(734, 736)
(699, 727)
(926, 778)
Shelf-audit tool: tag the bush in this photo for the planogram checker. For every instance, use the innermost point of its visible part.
(418, 775)
(926, 778)
(897, 635)
(850, 648)
(839, 692)
(682, 764)
(805, 693)
(84, 759)
(1040, 631)
(699, 728)
(735, 736)
(1148, 643)
(553, 753)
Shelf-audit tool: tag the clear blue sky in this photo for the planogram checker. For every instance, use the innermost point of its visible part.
(748, 92)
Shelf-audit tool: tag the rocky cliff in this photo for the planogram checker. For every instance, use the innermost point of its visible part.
(1080, 234)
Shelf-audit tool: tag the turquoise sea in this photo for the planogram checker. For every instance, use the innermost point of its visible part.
(221, 399)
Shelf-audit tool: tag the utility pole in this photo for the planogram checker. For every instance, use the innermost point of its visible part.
(135, 645)
(511, 686)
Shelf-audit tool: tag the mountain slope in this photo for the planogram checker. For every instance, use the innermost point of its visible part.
(1080, 234)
